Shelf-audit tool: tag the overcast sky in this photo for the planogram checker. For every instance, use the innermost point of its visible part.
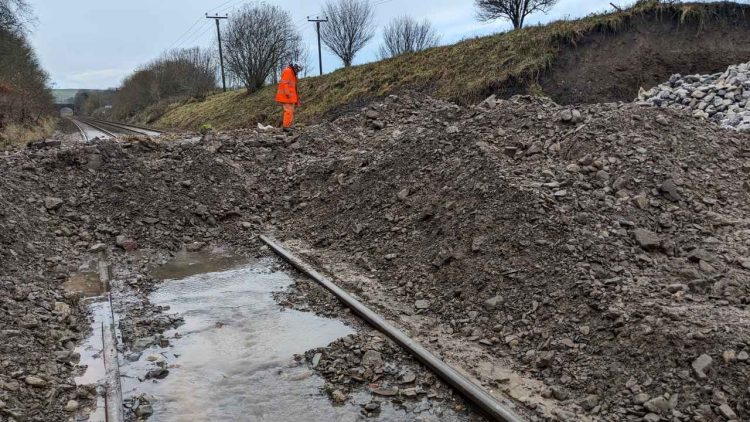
(96, 43)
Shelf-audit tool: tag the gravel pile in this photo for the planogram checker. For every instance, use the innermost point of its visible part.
(602, 254)
(721, 97)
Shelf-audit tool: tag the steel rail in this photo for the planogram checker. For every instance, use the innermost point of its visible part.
(98, 125)
(473, 392)
(131, 128)
(100, 129)
(114, 411)
(80, 129)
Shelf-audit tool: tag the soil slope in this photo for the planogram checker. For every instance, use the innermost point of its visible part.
(600, 58)
(601, 254)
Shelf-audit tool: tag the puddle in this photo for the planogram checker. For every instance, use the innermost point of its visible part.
(186, 264)
(85, 283)
(91, 357)
(232, 360)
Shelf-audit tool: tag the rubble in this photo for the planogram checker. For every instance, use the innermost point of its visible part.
(722, 97)
(600, 257)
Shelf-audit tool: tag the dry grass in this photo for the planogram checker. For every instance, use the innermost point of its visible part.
(17, 135)
(465, 72)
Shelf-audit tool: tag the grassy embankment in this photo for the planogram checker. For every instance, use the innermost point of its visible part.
(465, 72)
(15, 135)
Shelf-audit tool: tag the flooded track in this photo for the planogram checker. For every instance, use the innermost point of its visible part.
(91, 128)
(237, 356)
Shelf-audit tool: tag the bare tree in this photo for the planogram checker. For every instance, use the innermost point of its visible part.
(349, 28)
(407, 35)
(515, 11)
(296, 52)
(16, 16)
(176, 75)
(257, 38)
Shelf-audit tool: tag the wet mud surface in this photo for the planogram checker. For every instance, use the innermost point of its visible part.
(587, 264)
(249, 357)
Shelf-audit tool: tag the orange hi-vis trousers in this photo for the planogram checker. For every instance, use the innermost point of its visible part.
(288, 115)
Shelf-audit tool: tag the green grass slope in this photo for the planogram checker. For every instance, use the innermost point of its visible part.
(465, 72)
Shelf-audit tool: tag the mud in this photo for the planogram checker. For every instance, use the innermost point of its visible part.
(578, 263)
(607, 67)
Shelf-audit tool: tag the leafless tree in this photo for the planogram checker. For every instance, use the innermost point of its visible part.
(176, 75)
(24, 86)
(407, 35)
(189, 71)
(349, 27)
(257, 39)
(515, 11)
(15, 16)
(296, 52)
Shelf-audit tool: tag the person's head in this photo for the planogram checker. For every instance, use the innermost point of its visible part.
(296, 67)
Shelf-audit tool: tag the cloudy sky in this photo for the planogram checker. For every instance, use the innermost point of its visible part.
(96, 43)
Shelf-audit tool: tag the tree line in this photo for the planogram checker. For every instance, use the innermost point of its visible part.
(176, 75)
(25, 97)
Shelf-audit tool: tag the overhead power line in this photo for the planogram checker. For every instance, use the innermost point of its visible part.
(185, 33)
(218, 19)
(197, 34)
(318, 21)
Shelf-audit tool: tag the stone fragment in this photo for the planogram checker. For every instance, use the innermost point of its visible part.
(157, 373)
(727, 412)
(590, 402)
(144, 411)
(651, 417)
(493, 302)
(52, 203)
(729, 356)
(698, 255)
(669, 190)
(126, 243)
(35, 381)
(372, 359)
(422, 304)
(71, 406)
(701, 365)
(647, 239)
(98, 247)
(657, 405)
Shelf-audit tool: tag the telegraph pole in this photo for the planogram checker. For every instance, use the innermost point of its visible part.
(217, 18)
(317, 21)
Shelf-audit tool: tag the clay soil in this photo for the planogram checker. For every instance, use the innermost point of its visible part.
(582, 265)
(604, 67)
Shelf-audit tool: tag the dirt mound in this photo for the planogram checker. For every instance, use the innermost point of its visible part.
(645, 50)
(599, 253)
(723, 97)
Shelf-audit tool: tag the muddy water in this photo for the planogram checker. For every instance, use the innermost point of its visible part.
(91, 357)
(85, 283)
(232, 359)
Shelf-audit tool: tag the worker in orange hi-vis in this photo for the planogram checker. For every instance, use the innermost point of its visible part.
(287, 93)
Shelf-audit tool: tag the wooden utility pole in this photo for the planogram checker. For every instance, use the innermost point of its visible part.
(317, 21)
(217, 18)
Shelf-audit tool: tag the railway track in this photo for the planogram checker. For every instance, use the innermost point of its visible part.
(113, 403)
(91, 128)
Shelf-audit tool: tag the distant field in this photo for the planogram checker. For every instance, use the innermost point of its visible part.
(64, 95)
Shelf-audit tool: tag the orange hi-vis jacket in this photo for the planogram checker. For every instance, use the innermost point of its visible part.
(287, 92)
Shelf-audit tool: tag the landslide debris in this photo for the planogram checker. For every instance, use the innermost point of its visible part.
(601, 250)
(721, 97)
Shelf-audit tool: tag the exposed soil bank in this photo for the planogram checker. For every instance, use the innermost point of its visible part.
(589, 265)
(611, 65)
